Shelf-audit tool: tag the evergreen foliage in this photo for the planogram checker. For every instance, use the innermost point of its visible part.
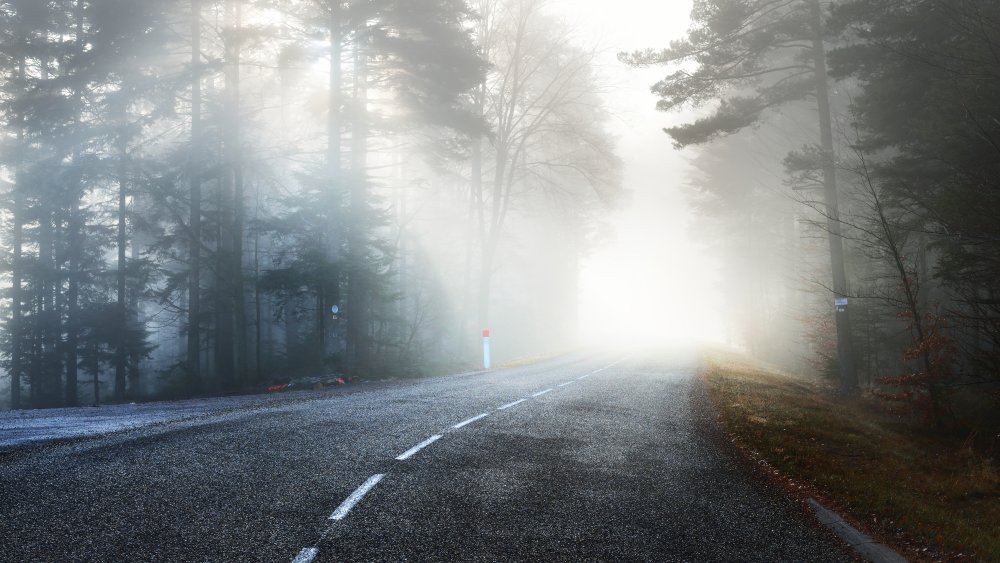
(191, 187)
(914, 153)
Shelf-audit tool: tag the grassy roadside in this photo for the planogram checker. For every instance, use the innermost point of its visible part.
(930, 498)
(526, 361)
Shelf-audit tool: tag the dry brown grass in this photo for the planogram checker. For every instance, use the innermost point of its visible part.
(524, 362)
(930, 497)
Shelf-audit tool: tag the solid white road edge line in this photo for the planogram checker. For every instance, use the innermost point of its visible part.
(567, 383)
(306, 555)
(412, 451)
(508, 405)
(540, 393)
(345, 507)
(471, 420)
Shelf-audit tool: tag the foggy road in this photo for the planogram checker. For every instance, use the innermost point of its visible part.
(601, 458)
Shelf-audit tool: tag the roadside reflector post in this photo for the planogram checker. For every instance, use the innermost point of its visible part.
(486, 348)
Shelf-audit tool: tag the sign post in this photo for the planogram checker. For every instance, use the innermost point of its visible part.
(840, 304)
(486, 348)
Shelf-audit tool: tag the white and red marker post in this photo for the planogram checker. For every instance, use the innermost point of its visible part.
(486, 348)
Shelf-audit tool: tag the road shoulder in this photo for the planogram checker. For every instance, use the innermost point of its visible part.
(863, 465)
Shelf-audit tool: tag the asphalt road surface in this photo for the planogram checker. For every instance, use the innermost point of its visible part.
(580, 458)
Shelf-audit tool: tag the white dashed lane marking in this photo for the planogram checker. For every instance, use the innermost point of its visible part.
(306, 555)
(412, 451)
(345, 507)
(586, 375)
(471, 420)
(508, 405)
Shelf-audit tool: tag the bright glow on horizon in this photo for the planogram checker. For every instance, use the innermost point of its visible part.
(652, 284)
(643, 296)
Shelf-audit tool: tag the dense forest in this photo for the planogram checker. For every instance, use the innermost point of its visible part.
(847, 171)
(208, 196)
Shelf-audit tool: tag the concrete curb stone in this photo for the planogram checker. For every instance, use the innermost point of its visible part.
(864, 545)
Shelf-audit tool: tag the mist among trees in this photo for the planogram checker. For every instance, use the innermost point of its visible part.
(210, 196)
(846, 167)
(205, 197)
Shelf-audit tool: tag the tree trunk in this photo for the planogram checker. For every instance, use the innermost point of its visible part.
(357, 292)
(405, 291)
(194, 173)
(845, 347)
(134, 386)
(228, 271)
(17, 242)
(95, 368)
(491, 236)
(258, 306)
(121, 305)
(239, 208)
(335, 102)
(76, 226)
(46, 380)
(476, 225)
(328, 289)
(72, 302)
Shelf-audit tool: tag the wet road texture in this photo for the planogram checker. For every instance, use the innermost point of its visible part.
(580, 458)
